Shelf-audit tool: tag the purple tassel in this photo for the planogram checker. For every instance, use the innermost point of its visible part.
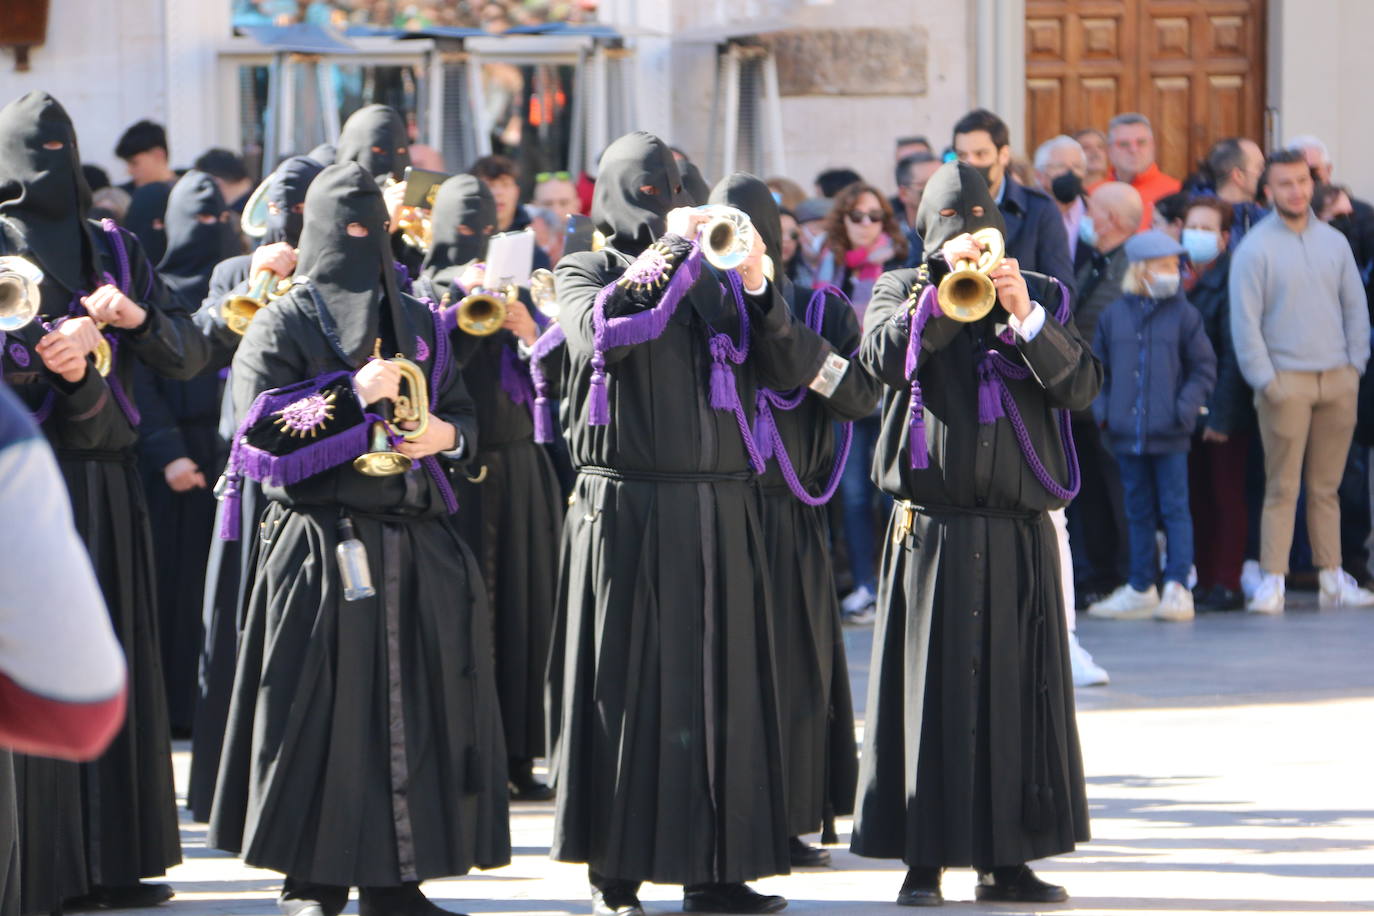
(598, 399)
(724, 395)
(543, 420)
(543, 411)
(292, 468)
(231, 510)
(920, 450)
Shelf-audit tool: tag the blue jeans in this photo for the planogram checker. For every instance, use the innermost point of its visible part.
(1156, 490)
(859, 495)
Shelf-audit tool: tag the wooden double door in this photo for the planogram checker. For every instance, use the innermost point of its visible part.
(1194, 67)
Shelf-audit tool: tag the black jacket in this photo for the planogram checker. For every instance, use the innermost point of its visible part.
(1035, 234)
(1230, 409)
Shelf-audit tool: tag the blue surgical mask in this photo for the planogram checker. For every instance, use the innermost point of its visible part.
(1161, 286)
(1087, 232)
(1203, 245)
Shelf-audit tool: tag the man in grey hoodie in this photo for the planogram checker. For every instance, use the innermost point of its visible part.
(1301, 332)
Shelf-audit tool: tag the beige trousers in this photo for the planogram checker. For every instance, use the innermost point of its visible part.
(1306, 421)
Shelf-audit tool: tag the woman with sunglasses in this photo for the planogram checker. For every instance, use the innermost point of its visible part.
(862, 241)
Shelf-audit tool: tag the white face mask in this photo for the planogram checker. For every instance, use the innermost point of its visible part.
(1161, 286)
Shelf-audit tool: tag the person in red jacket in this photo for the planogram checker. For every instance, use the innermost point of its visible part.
(1131, 149)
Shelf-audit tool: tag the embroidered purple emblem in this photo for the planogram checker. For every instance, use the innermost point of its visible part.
(421, 349)
(20, 355)
(649, 269)
(305, 417)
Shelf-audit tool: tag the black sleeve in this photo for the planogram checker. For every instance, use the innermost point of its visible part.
(168, 341)
(1060, 358)
(784, 352)
(858, 392)
(226, 281)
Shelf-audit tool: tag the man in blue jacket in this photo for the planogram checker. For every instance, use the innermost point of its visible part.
(1035, 231)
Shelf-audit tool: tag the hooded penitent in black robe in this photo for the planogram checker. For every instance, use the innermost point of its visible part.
(813, 675)
(181, 420)
(364, 744)
(146, 218)
(228, 573)
(970, 749)
(111, 821)
(375, 137)
(667, 756)
(512, 506)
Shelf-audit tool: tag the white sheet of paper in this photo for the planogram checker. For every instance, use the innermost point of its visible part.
(510, 258)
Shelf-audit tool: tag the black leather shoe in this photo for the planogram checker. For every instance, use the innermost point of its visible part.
(1220, 598)
(921, 888)
(1017, 884)
(729, 898)
(618, 899)
(403, 900)
(121, 897)
(804, 856)
(523, 786)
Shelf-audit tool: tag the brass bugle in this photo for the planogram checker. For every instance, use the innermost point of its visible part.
(19, 292)
(239, 311)
(253, 223)
(412, 222)
(410, 406)
(483, 311)
(967, 293)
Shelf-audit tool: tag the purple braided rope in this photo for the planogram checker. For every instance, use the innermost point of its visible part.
(542, 410)
(724, 395)
(112, 232)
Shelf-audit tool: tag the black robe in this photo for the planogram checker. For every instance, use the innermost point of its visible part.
(111, 821)
(228, 567)
(813, 674)
(379, 715)
(668, 755)
(971, 752)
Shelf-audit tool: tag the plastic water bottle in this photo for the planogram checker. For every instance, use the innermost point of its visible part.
(353, 568)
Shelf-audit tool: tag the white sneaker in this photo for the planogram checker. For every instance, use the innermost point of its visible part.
(1268, 596)
(1250, 576)
(858, 600)
(1176, 604)
(1126, 604)
(1339, 589)
(1086, 672)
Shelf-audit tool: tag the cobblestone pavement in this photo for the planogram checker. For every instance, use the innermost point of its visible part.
(1229, 771)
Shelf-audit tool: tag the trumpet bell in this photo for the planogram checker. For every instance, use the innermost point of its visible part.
(544, 293)
(239, 311)
(381, 460)
(966, 293)
(482, 311)
(253, 223)
(19, 293)
(727, 238)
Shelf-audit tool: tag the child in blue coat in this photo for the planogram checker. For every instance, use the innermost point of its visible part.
(1159, 372)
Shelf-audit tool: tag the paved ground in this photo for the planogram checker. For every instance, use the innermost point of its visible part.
(1229, 765)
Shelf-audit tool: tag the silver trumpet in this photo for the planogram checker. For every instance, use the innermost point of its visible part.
(727, 238)
(544, 293)
(19, 294)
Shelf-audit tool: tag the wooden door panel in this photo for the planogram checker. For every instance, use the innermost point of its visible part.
(1194, 67)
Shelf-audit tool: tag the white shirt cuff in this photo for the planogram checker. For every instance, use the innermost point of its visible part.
(456, 453)
(1027, 329)
(763, 288)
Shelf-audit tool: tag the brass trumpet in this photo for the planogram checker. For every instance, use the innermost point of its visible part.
(414, 225)
(19, 294)
(412, 405)
(967, 293)
(253, 223)
(544, 293)
(239, 311)
(483, 311)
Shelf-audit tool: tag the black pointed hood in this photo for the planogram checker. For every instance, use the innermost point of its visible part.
(695, 190)
(629, 216)
(960, 187)
(44, 190)
(195, 247)
(286, 189)
(375, 137)
(146, 218)
(745, 192)
(355, 277)
(462, 201)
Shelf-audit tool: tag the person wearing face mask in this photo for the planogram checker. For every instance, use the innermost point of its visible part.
(375, 137)
(1159, 372)
(180, 448)
(963, 764)
(808, 457)
(1060, 165)
(665, 721)
(1300, 324)
(228, 573)
(365, 662)
(79, 820)
(1097, 518)
(1035, 228)
(512, 507)
(1222, 443)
